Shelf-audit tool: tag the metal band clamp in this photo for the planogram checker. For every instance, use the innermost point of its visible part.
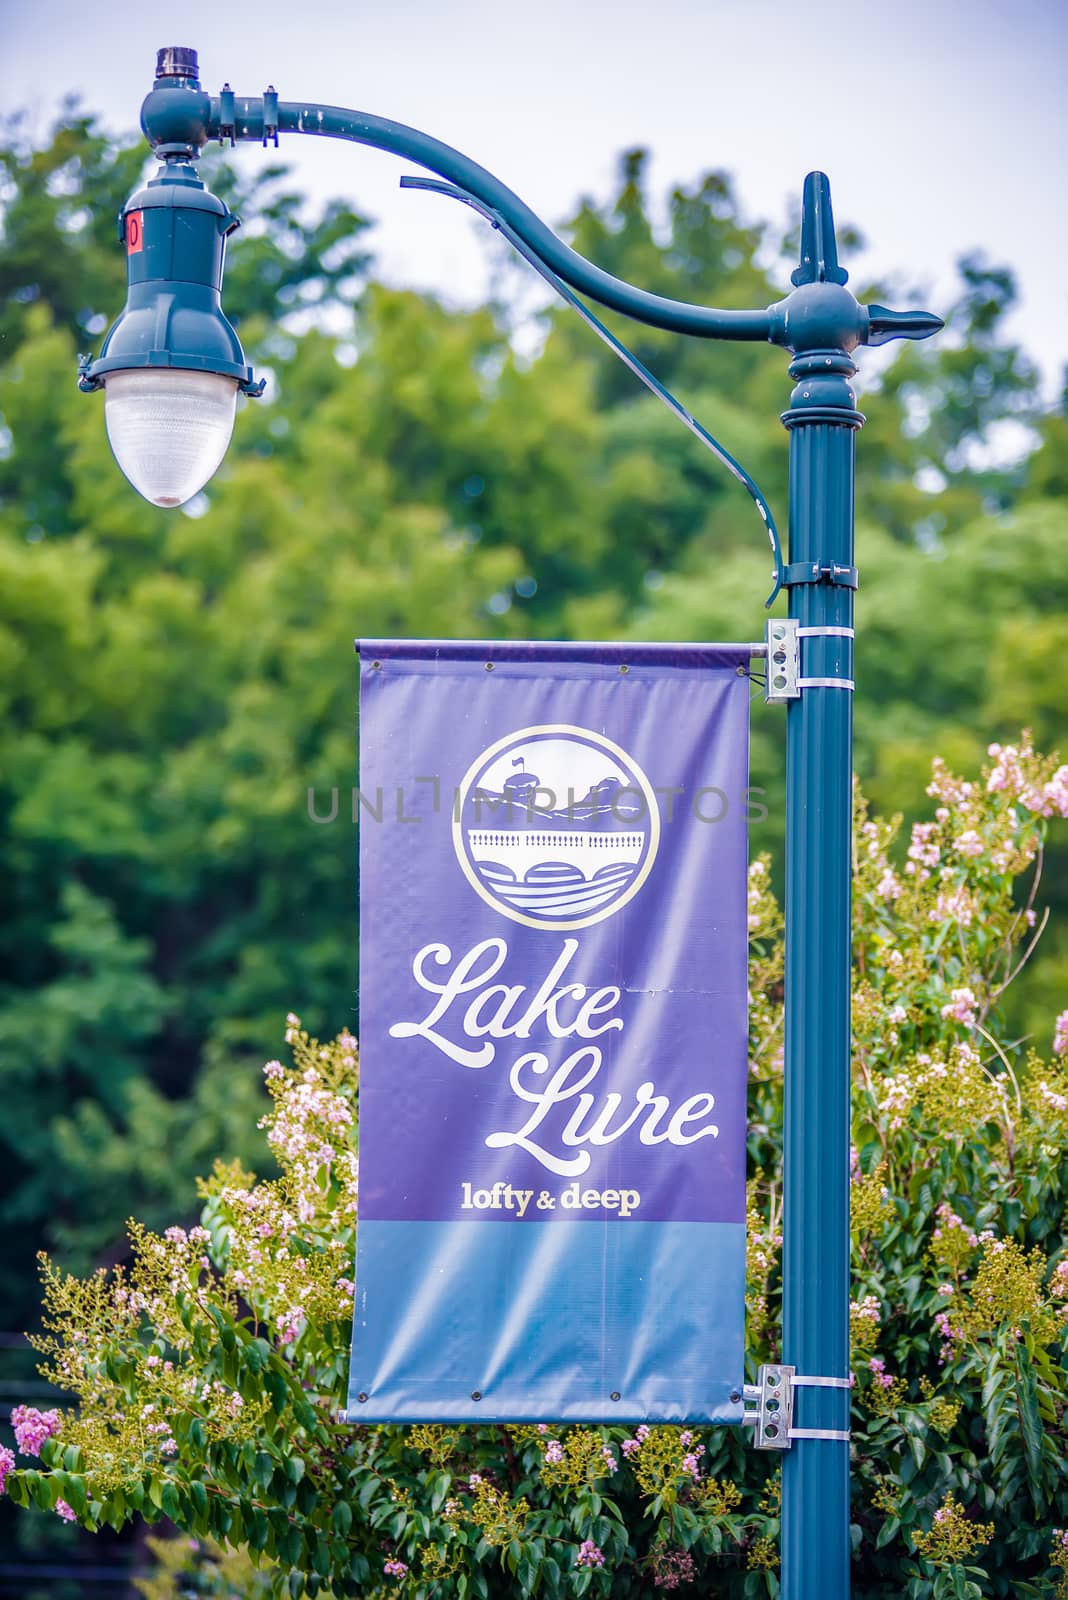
(814, 572)
(826, 683)
(842, 1435)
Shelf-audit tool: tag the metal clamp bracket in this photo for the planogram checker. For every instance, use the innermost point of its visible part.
(227, 116)
(784, 661)
(773, 1411)
(813, 572)
(270, 116)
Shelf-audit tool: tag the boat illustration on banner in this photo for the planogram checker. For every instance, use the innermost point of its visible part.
(557, 828)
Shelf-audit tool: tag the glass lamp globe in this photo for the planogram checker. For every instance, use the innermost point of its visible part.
(169, 428)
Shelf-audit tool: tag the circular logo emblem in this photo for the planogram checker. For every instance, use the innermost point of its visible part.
(556, 827)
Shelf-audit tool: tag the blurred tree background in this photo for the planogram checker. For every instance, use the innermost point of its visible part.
(175, 682)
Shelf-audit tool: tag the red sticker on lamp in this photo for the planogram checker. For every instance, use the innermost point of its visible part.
(135, 237)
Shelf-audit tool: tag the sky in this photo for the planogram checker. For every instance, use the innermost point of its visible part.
(943, 124)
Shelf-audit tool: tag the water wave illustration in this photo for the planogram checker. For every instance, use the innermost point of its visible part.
(557, 888)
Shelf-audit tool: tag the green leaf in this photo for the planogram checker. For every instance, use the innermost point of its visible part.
(1030, 1427)
(342, 1517)
(889, 1530)
(320, 1555)
(18, 1489)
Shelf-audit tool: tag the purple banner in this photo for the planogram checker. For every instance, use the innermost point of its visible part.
(553, 1032)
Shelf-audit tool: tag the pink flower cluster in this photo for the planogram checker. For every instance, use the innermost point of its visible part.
(949, 1333)
(395, 1569)
(292, 1325)
(1060, 1035)
(554, 1452)
(923, 851)
(944, 786)
(1052, 799)
(589, 1555)
(65, 1511)
(609, 1459)
(955, 905)
(948, 1218)
(1008, 777)
(878, 1366)
(33, 1427)
(631, 1447)
(7, 1465)
(868, 1309)
(961, 1007)
(1055, 1101)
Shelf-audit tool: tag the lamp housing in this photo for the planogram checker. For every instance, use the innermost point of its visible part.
(172, 326)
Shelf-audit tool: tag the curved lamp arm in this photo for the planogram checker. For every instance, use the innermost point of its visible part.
(179, 117)
(657, 310)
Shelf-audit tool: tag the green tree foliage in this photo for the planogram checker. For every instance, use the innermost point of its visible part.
(209, 1376)
(175, 683)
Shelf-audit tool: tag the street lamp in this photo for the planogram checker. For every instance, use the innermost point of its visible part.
(171, 369)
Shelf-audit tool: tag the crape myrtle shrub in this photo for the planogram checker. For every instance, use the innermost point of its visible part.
(208, 1374)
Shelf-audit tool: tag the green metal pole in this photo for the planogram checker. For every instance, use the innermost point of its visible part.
(822, 422)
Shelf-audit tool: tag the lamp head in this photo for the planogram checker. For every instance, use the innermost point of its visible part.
(171, 367)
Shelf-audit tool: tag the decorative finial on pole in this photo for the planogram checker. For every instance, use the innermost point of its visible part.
(819, 248)
(820, 313)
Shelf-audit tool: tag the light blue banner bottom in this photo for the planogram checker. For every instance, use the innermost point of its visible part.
(579, 1321)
